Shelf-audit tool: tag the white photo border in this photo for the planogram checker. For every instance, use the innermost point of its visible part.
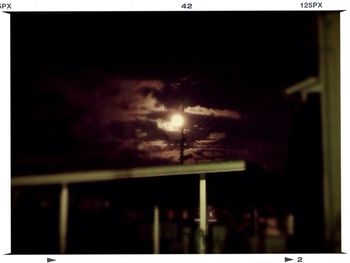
(152, 5)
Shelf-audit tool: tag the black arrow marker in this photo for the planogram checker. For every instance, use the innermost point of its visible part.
(287, 259)
(50, 259)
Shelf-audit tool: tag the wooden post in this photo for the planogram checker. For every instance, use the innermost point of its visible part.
(329, 43)
(203, 221)
(156, 230)
(63, 220)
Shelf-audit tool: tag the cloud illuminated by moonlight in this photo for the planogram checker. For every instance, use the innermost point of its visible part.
(199, 110)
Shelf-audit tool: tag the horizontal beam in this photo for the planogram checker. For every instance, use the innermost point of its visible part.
(308, 85)
(142, 172)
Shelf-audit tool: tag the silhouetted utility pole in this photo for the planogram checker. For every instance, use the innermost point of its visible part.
(182, 139)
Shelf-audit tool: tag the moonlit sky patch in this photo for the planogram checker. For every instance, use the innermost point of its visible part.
(91, 94)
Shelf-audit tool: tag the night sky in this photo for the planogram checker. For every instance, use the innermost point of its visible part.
(97, 90)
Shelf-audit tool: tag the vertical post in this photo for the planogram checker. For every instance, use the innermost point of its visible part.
(329, 42)
(256, 239)
(202, 213)
(63, 222)
(156, 232)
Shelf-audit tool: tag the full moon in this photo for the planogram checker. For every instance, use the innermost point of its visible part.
(177, 120)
